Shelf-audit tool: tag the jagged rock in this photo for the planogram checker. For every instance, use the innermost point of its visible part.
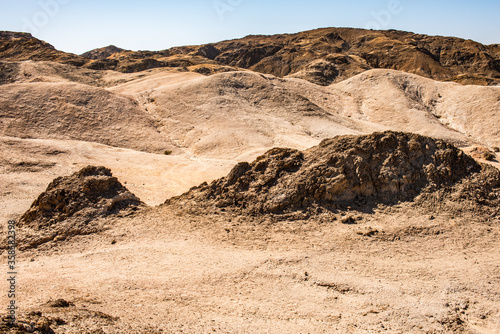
(16, 46)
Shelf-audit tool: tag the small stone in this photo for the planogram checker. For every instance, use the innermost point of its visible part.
(349, 220)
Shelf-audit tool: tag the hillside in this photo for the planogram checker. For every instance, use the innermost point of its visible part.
(333, 54)
(242, 114)
(16, 46)
(48, 110)
(236, 115)
(102, 53)
(321, 56)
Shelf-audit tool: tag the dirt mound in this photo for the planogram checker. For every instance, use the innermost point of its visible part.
(478, 193)
(346, 171)
(71, 204)
(59, 316)
(33, 322)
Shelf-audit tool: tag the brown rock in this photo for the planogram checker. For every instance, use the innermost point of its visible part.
(346, 171)
(71, 204)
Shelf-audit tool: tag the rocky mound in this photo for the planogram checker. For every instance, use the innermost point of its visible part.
(71, 204)
(346, 171)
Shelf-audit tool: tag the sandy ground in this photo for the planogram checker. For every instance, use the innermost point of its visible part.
(160, 272)
(29, 165)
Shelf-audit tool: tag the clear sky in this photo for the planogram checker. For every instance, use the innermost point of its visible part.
(81, 25)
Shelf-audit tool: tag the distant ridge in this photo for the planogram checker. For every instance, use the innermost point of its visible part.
(102, 53)
(322, 56)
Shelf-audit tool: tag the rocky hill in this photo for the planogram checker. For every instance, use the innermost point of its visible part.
(102, 53)
(16, 46)
(332, 54)
(322, 56)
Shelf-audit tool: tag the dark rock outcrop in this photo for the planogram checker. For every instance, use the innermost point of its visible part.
(71, 204)
(15, 46)
(346, 171)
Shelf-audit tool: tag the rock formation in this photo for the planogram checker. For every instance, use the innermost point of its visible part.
(71, 205)
(346, 171)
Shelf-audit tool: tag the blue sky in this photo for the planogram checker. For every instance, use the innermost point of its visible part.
(80, 25)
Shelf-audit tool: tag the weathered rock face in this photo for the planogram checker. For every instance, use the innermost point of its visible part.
(70, 205)
(343, 171)
(333, 54)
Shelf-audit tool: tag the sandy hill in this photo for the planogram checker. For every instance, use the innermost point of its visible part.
(230, 114)
(75, 111)
(403, 100)
(238, 114)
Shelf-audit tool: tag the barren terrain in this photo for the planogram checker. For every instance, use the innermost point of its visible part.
(393, 232)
